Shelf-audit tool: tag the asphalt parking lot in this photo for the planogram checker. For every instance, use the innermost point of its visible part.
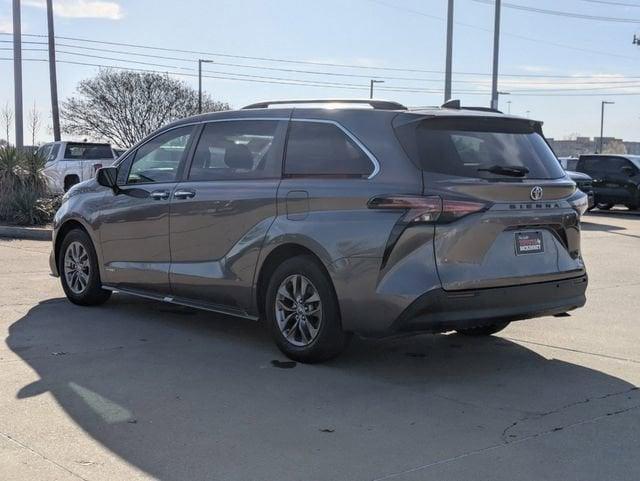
(142, 390)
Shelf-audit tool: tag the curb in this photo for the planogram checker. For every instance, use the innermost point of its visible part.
(32, 233)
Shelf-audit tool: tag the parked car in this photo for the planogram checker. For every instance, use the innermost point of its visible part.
(568, 163)
(118, 152)
(68, 163)
(584, 182)
(616, 179)
(329, 221)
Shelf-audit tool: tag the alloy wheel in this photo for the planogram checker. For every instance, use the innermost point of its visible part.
(298, 310)
(76, 267)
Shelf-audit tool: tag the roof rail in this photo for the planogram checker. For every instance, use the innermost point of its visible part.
(376, 104)
(455, 104)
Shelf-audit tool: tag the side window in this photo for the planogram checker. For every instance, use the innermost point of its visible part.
(594, 164)
(615, 164)
(53, 155)
(159, 159)
(44, 151)
(318, 148)
(238, 149)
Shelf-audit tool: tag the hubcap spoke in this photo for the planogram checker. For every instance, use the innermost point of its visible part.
(298, 310)
(77, 268)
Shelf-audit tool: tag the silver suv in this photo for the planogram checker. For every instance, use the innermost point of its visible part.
(325, 218)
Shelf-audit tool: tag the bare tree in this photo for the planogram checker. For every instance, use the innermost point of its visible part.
(6, 116)
(572, 136)
(124, 107)
(35, 122)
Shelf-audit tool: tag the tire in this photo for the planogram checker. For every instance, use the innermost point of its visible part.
(604, 206)
(308, 331)
(483, 330)
(84, 288)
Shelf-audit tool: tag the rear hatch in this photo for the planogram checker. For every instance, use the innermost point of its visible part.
(517, 224)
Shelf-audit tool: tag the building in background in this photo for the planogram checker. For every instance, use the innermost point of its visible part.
(586, 145)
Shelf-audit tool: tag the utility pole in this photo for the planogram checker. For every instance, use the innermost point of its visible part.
(53, 79)
(200, 62)
(604, 102)
(496, 54)
(17, 73)
(449, 59)
(372, 82)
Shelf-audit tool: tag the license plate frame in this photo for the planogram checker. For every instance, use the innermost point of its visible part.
(530, 242)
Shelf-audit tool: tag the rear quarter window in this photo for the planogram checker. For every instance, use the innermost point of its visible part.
(323, 149)
(82, 151)
(465, 147)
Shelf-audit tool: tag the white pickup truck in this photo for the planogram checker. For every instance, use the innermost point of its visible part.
(68, 163)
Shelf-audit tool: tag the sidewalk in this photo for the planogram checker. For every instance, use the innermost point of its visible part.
(22, 232)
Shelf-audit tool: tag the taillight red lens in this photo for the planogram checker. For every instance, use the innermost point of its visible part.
(427, 208)
(454, 209)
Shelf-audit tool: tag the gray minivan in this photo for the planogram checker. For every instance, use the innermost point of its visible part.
(325, 218)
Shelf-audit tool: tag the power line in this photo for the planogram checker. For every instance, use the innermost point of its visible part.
(559, 13)
(311, 72)
(258, 79)
(618, 4)
(316, 83)
(506, 33)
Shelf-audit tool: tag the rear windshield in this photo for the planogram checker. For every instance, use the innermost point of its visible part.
(465, 147)
(82, 151)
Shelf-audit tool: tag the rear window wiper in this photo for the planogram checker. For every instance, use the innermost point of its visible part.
(506, 170)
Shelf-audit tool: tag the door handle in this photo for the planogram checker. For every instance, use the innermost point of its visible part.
(184, 194)
(159, 194)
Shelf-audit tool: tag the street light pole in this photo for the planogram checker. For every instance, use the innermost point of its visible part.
(17, 73)
(53, 81)
(508, 106)
(449, 58)
(604, 102)
(372, 82)
(496, 55)
(200, 62)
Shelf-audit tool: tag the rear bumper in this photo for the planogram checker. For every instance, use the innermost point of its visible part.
(439, 310)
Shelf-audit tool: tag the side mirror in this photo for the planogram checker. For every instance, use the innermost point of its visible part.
(108, 177)
(630, 171)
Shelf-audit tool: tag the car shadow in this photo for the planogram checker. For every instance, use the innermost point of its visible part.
(620, 213)
(598, 227)
(183, 394)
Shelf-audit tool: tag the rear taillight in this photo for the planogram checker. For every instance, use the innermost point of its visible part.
(579, 201)
(427, 208)
(96, 167)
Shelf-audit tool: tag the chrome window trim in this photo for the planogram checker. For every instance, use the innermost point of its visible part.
(361, 146)
(199, 122)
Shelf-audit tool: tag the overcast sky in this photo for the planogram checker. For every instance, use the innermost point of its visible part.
(592, 59)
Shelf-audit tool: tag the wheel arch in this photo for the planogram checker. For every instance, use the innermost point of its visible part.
(65, 182)
(273, 259)
(66, 227)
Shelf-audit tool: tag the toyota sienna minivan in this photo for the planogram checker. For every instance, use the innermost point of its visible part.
(327, 218)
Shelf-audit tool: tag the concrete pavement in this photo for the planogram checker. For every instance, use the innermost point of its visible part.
(139, 390)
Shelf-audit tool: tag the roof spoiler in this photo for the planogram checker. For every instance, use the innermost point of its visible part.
(376, 104)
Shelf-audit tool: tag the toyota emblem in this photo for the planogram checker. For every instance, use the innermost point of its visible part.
(536, 193)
